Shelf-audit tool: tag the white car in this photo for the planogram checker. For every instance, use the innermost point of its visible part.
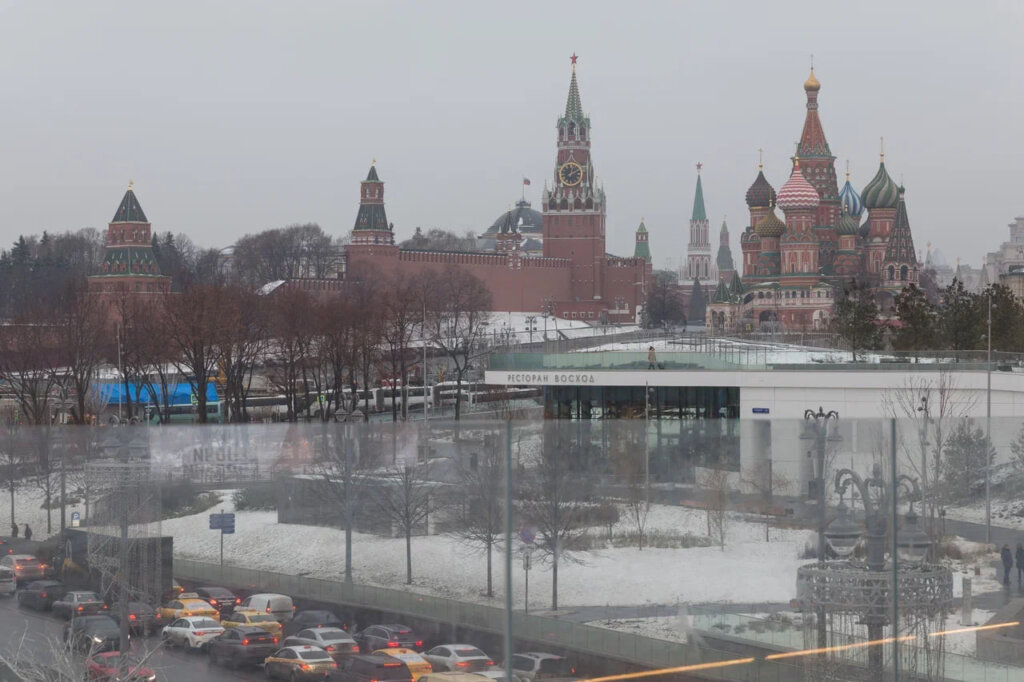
(497, 674)
(459, 658)
(193, 632)
(334, 641)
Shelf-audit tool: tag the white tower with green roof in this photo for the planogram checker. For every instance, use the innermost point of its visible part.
(699, 264)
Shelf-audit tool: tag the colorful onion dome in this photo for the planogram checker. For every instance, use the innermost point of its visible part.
(761, 193)
(812, 84)
(797, 193)
(770, 225)
(848, 223)
(850, 200)
(881, 192)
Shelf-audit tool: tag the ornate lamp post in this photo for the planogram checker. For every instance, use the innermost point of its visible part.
(881, 590)
(817, 431)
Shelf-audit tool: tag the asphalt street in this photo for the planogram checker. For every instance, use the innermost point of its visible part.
(37, 629)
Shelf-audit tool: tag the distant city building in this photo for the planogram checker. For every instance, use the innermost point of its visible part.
(792, 266)
(1010, 254)
(528, 222)
(572, 277)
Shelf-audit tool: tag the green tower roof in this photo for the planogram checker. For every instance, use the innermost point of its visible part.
(698, 201)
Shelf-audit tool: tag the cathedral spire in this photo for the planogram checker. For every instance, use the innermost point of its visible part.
(812, 139)
(573, 106)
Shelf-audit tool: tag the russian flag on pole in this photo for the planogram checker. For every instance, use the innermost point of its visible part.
(526, 182)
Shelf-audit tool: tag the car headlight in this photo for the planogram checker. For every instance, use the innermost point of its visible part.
(97, 639)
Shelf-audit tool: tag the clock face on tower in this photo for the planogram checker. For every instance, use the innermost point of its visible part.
(571, 174)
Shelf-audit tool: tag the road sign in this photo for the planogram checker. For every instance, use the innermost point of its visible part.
(222, 521)
(76, 519)
(526, 561)
(194, 399)
(528, 534)
(228, 530)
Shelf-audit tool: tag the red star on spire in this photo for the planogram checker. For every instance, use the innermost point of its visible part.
(699, 165)
(573, 58)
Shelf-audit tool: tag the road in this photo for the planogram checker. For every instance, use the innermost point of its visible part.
(36, 629)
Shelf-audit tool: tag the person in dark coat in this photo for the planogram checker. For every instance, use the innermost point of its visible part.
(14, 530)
(1020, 563)
(1007, 558)
(28, 532)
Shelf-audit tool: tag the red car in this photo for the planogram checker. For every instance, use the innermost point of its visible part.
(104, 667)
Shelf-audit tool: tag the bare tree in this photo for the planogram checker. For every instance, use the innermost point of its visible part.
(715, 483)
(243, 343)
(292, 329)
(629, 462)
(30, 366)
(554, 500)
(14, 459)
(402, 309)
(364, 298)
(194, 331)
(458, 308)
(405, 501)
(81, 334)
(764, 480)
(480, 515)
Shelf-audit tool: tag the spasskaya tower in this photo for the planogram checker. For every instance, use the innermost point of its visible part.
(574, 210)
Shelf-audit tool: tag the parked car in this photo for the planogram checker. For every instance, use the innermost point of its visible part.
(104, 666)
(187, 604)
(372, 668)
(302, 662)
(255, 618)
(334, 641)
(497, 674)
(241, 645)
(142, 618)
(537, 665)
(388, 637)
(92, 634)
(313, 619)
(416, 664)
(279, 606)
(194, 632)
(25, 566)
(40, 594)
(8, 581)
(79, 603)
(458, 658)
(220, 598)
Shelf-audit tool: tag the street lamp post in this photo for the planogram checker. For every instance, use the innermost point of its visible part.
(988, 429)
(819, 434)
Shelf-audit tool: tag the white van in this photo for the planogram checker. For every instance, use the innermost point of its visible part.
(8, 583)
(277, 605)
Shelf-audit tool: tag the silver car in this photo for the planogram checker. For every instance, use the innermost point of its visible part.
(334, 641)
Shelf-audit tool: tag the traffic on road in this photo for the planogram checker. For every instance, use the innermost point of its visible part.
(212, 634)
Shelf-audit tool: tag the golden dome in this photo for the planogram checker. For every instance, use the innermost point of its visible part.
(812, 84)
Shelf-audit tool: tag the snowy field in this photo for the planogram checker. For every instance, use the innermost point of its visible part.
(747, 570)
(1005, 513)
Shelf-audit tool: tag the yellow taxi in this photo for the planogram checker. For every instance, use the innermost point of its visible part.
(187, 604)
(416, 664)
(299, 663)
(254, 618)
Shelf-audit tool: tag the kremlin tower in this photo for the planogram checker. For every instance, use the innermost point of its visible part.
(699, 265)
(129, 264)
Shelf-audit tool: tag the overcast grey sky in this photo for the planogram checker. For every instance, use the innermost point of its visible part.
(232, 117)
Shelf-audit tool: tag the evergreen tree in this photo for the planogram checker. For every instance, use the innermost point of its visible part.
(961, 319)
(663, 303)
(856, 319)
(967, 452)
(916, 315)
(1007, 318)
(698, 302)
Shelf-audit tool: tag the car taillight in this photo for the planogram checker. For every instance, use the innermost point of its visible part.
(268, 609)
(490, 662)
(333, 664)
(81, 608)
(131, 616)
(462, 664)
(275, 640)
(238, 600)
(419, 643)
(392, 644)
(200, 633)
(245, 642)
(213, 602)
(107, 607)
(355, 648)
(328, 648)
(572, 670)
(305, 666)
(43, 595)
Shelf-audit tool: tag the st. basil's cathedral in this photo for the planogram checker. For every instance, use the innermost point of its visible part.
(793, 267)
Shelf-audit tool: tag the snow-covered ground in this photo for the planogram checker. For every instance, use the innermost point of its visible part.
(445, 566)
(1005, 513)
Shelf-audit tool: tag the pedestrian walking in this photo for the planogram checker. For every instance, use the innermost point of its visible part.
(1007, 558)
(14, 530)
(652, 358)
(28, 532)
(1020, 563)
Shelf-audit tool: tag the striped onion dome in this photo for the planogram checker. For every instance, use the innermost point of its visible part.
(770, 225)
(761, 193)
(797, 193)
(850, 200)
(881, 192)
(848, 223)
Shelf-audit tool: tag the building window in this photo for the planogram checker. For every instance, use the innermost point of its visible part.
(892, 273)
(903, 273)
